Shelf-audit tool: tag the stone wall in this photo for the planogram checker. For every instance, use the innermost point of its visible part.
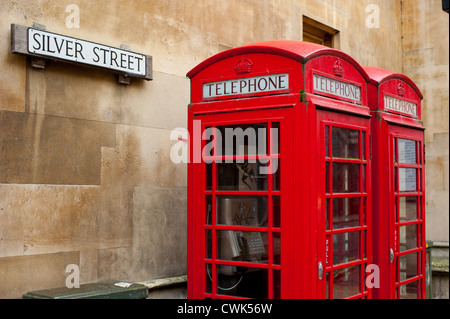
(85, 172)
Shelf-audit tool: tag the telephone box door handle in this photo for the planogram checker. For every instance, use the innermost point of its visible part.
(320, 267)
(392, 255)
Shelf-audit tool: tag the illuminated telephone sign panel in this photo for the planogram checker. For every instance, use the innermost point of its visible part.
(279, 174)
(399, 211)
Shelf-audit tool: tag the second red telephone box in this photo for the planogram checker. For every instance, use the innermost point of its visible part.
(279, 178)
(398, 185)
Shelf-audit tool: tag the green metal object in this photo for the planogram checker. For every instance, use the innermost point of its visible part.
(428, 271)
(108, 290)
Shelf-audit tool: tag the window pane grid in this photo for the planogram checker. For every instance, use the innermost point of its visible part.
(409, 241)
(213, 192)
(345, 213)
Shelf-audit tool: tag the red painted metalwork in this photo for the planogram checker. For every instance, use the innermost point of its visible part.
(313, 208)
(398, 184)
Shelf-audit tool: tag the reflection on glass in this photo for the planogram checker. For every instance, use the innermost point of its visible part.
(327, 178)
(276, 175)
(249, 211)
(407, 179)
(345, 143)
(346, 282)
(364, 212)
(208, 278)
(275, 133)
(345, 247)
(409, 291)
(276, 248)
(408, 266)
(209, 174)
(208, 209)
(276, 211)
(363, 145)
(408, 208)
(406, 151)
(208, 252)
(346, 178)
(346, 212)
(243, 139)
(408, 237)
(241, 176)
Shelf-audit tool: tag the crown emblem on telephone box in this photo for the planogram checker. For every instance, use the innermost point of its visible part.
(244, 65)
(401, 89)
(338, 69)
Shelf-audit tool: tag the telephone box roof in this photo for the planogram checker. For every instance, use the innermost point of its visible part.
(381, 75)
(296, 50)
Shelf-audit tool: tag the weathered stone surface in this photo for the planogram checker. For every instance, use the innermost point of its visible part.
(20, 275)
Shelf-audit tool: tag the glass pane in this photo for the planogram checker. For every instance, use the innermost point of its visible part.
(395, 151)
(208, 252)
(408, 208)
(249, 211)
(327, 213)
(241, 176)
(208, 209)
(346, 178)
(408, 266)
(275, 133)
(276, 248)
(364, 212)
(364, 178)
(346, 282)
(242, 246)
(327, 287)
(363, 145)
(327, 140)
(408, 237)
(276, 175)
(407, 178)
(208, 278)
(327, 178)
(345, 143)
(364, 244)
(276, 284)
(243, 282)
(406, 151)
(395, 179)
(409, 291)
(243, 139)
(209, 175)
(346, 212)
(346, 247)
(276, 211)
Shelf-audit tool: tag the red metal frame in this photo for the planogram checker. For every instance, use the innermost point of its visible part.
(387, 127)
(303, 113)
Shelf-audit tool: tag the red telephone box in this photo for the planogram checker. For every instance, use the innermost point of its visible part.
(279, 178)
(398, 185)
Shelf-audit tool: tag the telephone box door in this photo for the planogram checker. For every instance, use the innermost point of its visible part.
(344, 213)
(407, 213)
(243, 205)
